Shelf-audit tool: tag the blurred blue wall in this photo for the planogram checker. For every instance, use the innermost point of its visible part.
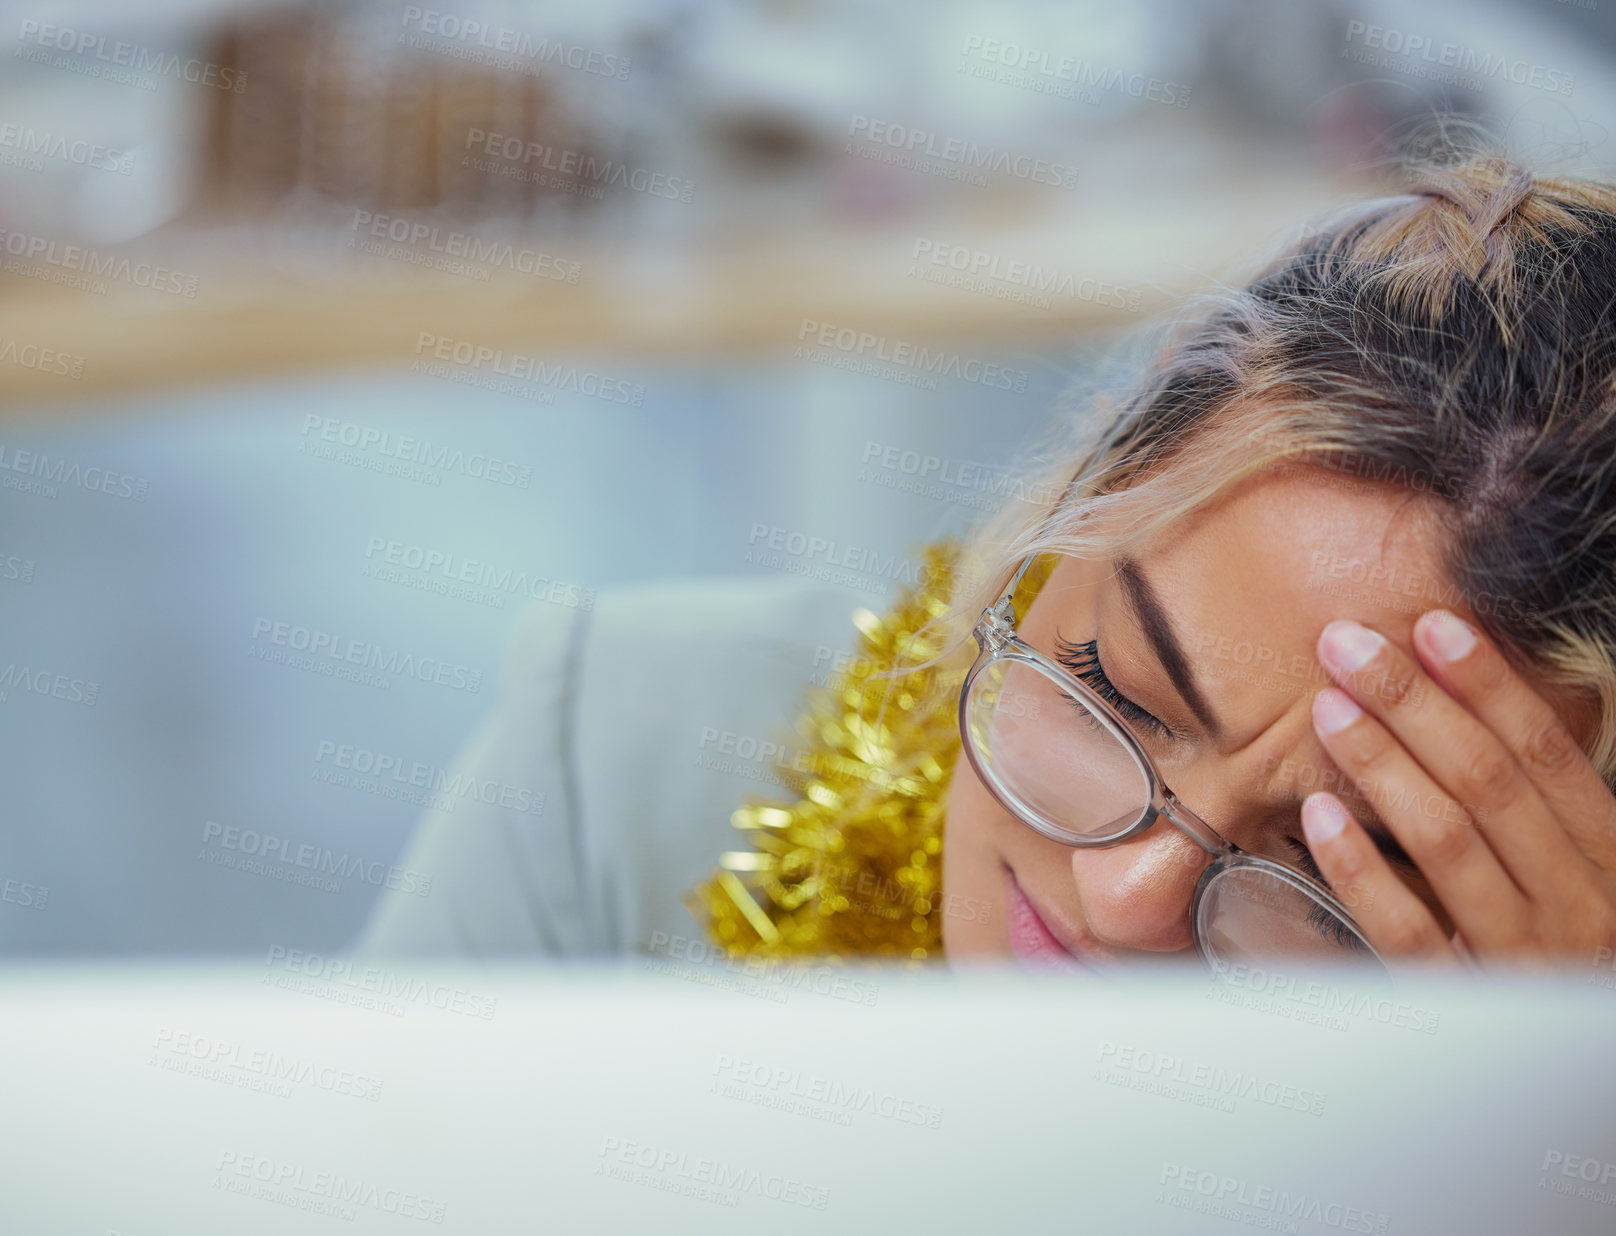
(162, 602)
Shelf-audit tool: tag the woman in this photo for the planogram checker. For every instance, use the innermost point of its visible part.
(1341, 572)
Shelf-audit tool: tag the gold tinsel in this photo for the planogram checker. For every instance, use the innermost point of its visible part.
(854, 866)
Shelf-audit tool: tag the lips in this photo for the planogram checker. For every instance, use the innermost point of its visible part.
(1031, 940)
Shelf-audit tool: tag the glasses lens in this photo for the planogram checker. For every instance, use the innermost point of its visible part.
(1255, 911)
(1046, 753)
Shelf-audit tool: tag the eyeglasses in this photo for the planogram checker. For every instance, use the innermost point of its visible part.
(1066, 764)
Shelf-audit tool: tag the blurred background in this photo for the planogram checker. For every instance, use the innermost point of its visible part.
(308, 307)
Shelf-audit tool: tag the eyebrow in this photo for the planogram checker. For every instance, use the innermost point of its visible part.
(1153, 619)
(1147, 608)
(1369, 819)
(1383, 838)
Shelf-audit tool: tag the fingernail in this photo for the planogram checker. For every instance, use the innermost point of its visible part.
(1323, 818)
(1346, 646)
(1334, 710)
(1449, 636)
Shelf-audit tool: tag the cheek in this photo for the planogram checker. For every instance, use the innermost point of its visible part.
(974, 885)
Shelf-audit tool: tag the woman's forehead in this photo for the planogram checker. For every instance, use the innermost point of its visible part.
(1293, 548)
(1296, 547)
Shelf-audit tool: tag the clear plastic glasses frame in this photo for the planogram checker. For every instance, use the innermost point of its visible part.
(996, 636)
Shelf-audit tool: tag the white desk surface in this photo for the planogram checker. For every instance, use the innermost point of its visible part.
(668, 1097)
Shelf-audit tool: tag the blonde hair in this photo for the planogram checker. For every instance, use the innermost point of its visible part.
(1458, 339)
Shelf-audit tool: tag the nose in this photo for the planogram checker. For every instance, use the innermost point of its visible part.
(1136, 896)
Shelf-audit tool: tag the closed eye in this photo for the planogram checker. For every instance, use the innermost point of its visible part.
(1083, 660)
(1384, 842)
(1319, 918)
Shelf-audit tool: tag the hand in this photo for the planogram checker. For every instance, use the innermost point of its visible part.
(1484, 787)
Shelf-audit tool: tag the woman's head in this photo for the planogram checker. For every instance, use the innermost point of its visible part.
(1412, 409)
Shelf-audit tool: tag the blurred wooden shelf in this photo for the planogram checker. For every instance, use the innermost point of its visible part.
(747, 301)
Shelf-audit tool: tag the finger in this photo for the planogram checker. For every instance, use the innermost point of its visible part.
(1392, 918)
(1463, 762)
(1470, 668)
(1467, 876)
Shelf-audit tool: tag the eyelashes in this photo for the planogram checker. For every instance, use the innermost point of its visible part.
(1305, 860)
(1083, 660)
(1322, 921)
